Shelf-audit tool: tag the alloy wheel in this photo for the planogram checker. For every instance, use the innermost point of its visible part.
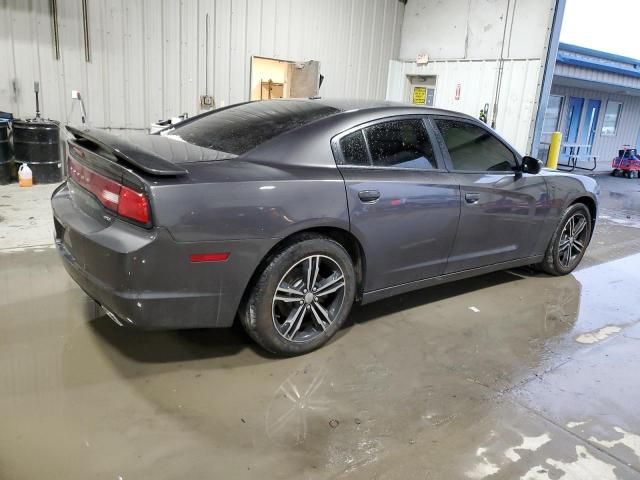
(573, 240)
(308, 298)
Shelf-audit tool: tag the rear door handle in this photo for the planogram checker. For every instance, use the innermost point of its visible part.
(369, 196)
(472, 197)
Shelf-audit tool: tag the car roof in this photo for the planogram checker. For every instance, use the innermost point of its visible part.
(309, 144)
(349, 105)
(280, 130)
(239, 128)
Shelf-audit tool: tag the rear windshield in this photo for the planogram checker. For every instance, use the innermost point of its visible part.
(238, 129)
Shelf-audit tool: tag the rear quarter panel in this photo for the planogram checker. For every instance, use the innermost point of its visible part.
(232, 200)
(244, 208)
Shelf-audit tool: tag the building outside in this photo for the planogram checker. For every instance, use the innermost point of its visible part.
(594, 103)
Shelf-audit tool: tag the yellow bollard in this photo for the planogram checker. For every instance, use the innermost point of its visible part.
(554, 150)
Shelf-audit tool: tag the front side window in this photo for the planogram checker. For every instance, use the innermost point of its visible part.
(611, 115)
(400, 144)
(475, 149)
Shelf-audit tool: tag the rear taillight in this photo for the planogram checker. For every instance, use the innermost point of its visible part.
(114, 196)
(133, 205)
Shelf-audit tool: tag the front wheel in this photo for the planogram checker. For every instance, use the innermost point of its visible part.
(302, 296)
(569, 241)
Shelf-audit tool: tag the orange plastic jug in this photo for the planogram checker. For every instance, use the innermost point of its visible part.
(25, 176)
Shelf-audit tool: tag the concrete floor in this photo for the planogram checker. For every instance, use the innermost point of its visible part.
(510, 375)
(25, 216)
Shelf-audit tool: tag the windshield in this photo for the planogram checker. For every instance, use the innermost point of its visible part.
(241, 128)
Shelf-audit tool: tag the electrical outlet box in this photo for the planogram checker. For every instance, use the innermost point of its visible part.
(206, 101)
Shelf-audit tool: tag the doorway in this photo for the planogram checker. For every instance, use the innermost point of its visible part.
(575, 116)
(581, 127)
(590, 123)
(273, 78)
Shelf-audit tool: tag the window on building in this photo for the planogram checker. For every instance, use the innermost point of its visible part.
(475, 149)
(611, 116)
(552, 114)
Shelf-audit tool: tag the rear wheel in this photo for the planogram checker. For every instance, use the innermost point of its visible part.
(302, 296)
(569, 241)
(614, 172)
(633, 174)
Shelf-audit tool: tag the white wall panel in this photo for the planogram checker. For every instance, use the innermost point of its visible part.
(466, 42)
(477, 80)
(475, 29)
(530, 29)
(149, 57)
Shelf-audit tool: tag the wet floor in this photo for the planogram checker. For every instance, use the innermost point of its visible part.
(510, 375)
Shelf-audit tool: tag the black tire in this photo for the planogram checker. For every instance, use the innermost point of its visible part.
(555, 260)
(260, 315)
(614, 172)
(633, 174)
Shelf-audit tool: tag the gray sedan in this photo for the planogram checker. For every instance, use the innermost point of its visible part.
(281, 214)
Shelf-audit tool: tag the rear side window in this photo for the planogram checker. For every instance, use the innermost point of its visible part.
(241, 128)
(354, 150)
(400, 144)
(475, 149)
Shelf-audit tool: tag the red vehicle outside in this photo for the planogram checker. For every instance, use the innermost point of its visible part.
(627, 163)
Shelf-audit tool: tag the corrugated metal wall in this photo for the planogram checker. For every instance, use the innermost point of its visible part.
(605, 146)
(477, 81)
(149, 57)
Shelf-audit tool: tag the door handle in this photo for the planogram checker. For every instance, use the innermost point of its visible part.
(472, 197)
(369, 196)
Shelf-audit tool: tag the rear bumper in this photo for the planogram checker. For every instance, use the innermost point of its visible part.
(144, 277)
(147, 310)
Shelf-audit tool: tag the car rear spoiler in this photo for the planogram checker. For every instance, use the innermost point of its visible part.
(128, 152)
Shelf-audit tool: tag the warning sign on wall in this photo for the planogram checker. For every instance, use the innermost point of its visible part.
(419, 96)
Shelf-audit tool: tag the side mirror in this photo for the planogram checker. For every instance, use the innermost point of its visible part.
(531, 165)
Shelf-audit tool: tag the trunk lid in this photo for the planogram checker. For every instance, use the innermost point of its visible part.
(157, 155)
(110, 177)
(114, 177)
